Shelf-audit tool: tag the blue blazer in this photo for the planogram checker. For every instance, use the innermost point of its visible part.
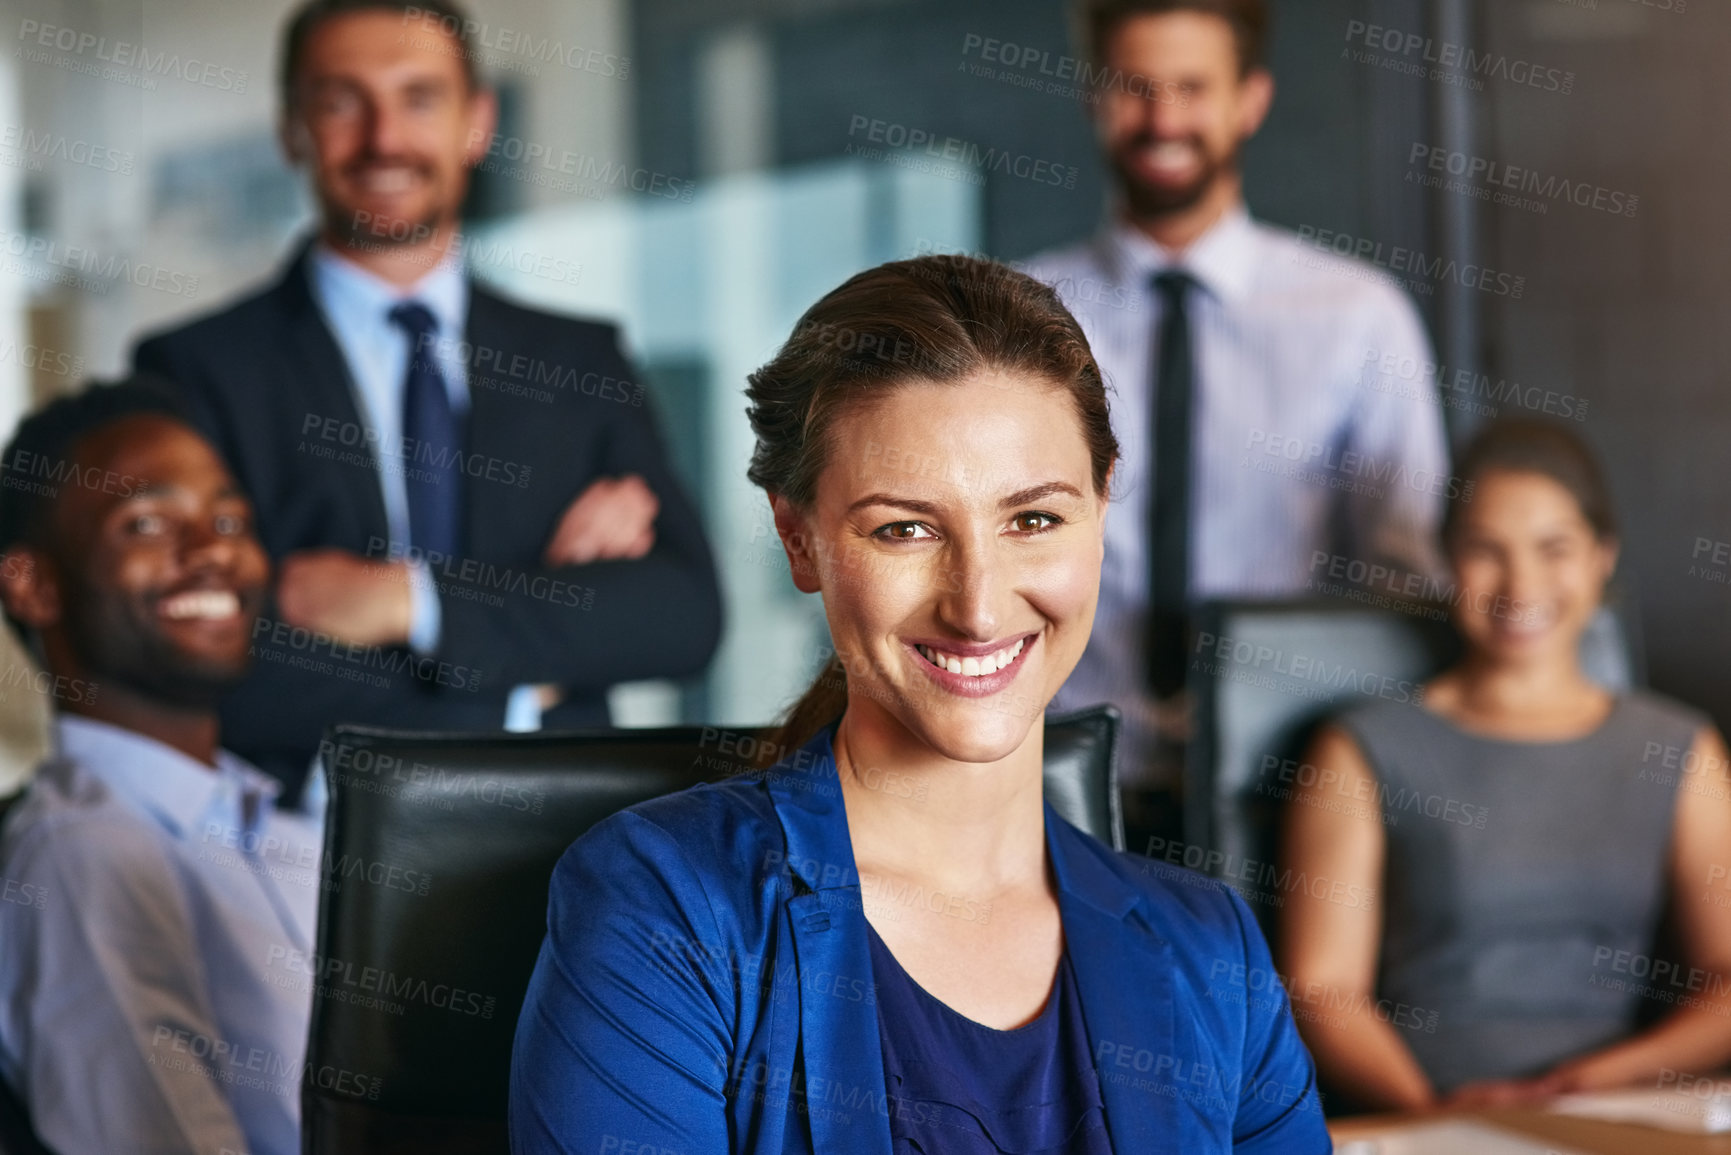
(706, 988)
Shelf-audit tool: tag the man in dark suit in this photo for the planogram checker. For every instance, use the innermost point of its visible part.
(469, 506)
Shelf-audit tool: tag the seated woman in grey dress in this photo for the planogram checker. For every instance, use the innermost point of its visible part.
(1521, 829)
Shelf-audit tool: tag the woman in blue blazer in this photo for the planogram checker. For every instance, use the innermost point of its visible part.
(887, 942)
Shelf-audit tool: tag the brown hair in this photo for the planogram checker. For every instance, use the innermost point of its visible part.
(432, 15)
(1530, 445)
(1248, 18)
(936, 319)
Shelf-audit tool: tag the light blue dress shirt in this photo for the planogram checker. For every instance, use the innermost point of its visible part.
(151, 904)
(357, 308)
(1304, 441)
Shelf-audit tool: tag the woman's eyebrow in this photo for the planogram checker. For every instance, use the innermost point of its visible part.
(1036, 492)
(1020, 497)
(910, 503)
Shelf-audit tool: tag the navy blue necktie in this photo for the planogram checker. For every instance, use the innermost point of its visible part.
(432, 438)
(1169, 522)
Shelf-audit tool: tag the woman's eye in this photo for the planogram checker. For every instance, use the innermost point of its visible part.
(1034, 522)
(148, 524)
(229, 524)
(904, 531)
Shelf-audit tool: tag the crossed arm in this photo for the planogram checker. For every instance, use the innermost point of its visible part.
(369, 602)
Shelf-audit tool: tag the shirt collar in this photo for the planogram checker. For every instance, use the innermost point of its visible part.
(178, 790)
(348, 290)
(1223, 259)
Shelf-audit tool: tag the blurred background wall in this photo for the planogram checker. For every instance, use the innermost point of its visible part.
(701, 170)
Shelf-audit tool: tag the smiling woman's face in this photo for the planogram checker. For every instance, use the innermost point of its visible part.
(956, 537)
(1530, 569)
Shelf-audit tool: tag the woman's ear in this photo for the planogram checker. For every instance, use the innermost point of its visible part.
(792, 526)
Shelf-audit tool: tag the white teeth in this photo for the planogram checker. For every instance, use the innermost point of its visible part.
(972, 667)
(202, 604)
(387, 180)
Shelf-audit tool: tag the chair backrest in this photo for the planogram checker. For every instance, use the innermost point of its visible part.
(1266, 674)
(438, 852)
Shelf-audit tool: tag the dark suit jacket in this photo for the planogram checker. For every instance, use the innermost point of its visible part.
(554, 406)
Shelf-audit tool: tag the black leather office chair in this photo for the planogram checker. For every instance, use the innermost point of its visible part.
(1266, 674)
(438, 854)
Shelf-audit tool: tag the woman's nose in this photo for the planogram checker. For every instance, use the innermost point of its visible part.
(973, 588)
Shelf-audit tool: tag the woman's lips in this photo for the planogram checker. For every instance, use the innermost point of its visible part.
(1006, 662)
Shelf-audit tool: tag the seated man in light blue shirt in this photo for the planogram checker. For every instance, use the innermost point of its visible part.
(138, 1007)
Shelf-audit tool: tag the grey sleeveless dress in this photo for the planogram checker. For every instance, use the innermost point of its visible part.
(1515, 873)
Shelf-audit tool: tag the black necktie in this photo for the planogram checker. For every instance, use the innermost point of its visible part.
(1169, 521)
(432, 438)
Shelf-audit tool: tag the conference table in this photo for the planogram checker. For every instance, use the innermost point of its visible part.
(1586, 1135)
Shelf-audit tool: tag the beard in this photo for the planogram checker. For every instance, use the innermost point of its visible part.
(116, 639)
(356, 228)
(1149, 201)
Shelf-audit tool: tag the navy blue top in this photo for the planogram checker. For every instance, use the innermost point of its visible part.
(959, 1087)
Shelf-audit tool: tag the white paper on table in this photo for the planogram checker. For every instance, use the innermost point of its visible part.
(1669, 1110)
(1451, 1137)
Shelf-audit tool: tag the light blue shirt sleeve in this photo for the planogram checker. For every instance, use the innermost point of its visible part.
(143, 899)
(425, 620)
(102, 982)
